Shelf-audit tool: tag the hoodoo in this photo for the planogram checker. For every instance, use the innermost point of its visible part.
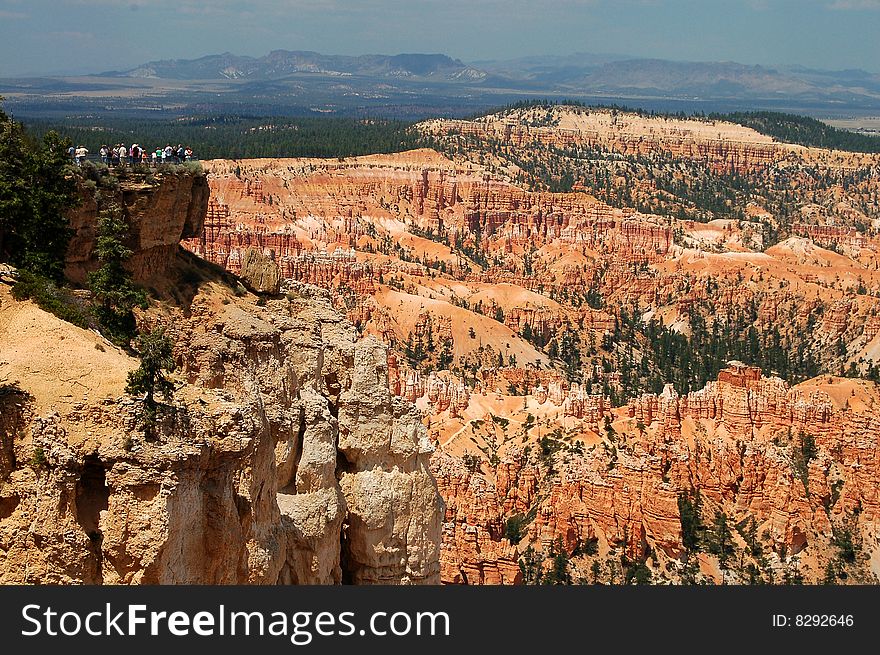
(283, 457)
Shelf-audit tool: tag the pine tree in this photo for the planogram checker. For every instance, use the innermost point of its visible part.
(830, 574)
(721, 540)
(155, 351)
(558, 573)
(531, 564)
(36, 188)
(691, 525)
(112, 286)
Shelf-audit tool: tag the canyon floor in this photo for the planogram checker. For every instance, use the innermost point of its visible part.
(608, 321)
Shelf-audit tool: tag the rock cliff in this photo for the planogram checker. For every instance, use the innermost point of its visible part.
(721, 146)
(282, 457)
(159, 214)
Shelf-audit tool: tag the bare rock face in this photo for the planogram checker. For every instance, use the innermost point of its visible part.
(474, 549)
(283, 457)
(721, 145)
(285, 460)
(160, 214)
(259, 272)
(351, 458)
(735, 441)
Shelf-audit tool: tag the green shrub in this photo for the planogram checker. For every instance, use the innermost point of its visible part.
(156, 351)
(471, 462)
(558, 573)
(587, 547)
(38, 459)
(513, 528)
(802, 453)
(531, 564)
(638, 574)
(748, 530)
(842, 539)
(54, 299)
(192, 167)
(94, 171)
(549, 446)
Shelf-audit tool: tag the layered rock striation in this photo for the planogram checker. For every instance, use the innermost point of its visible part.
(159, 216)
(736, 442)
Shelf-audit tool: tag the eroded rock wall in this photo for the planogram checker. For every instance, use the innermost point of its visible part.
(159, 214)
(282, 457)
(736, 442)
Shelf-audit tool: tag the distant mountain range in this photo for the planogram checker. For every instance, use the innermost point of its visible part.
(419, 85)
(579, 74)
(279, 64)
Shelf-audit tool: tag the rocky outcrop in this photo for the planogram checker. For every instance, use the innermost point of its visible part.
(628, 507)
(836, 236)
(722, 146)
(259, 272)
(160, 214)
(474, 550)
(282, 458)
(741, 400)
(443, 392)
(351, 458)
(736, 441)
(347, 196)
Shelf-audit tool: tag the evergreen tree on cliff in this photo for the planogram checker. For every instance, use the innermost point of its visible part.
(156, 352)
(36, 188)
(112, 286)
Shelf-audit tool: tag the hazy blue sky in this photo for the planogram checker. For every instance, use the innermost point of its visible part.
(94, 35)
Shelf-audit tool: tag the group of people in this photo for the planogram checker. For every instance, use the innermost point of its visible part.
(120, 155)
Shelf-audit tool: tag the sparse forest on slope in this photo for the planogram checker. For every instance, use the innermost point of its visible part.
(665, 177)
(802, 130)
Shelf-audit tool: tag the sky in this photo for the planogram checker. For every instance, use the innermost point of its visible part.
(77, 36)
